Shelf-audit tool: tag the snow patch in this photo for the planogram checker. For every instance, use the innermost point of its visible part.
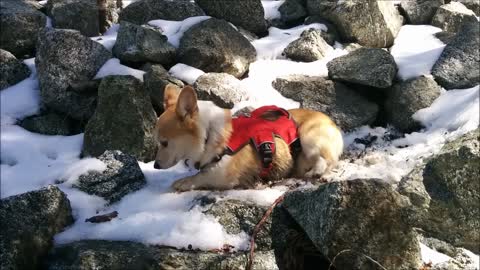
(174, 30)
(270, 9)
(113, 67)
(108, 38)
(186, 73)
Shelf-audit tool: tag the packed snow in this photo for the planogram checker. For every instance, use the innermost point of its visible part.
(270, 9)
(155, 214)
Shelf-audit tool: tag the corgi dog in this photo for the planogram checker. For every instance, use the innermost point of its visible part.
(200, 131)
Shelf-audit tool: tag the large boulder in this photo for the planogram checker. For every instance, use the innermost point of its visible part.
(308, 48)
(29, 221)
(248, 14)
(406, 98)
(124, 120)
(65, 57)
(215, 46)
(90, 17)
(420, 11)
(121, 176)
(365, 66)
(98, 254)
(457, 67)
(51, 123)
(137, 44)
(155, 79)
(221, 88)
(142, 11)
(20, 21)
(355, 218)
(292, 11)
(372, 23)
(452, 16)
(347, 108)
(446, 193)
(12, 70)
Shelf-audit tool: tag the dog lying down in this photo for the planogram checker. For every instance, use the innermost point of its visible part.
(238, 152)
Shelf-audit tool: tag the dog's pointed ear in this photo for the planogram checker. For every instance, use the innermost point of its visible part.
(187, 102)
(170, 95)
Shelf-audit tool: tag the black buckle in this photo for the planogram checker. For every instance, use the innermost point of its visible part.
(266, 154)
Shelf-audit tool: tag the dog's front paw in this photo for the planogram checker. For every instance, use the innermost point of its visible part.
(183, 185)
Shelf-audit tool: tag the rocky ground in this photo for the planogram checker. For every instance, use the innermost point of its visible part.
(81, 85)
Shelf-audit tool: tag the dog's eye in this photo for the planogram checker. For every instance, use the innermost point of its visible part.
(164, 143)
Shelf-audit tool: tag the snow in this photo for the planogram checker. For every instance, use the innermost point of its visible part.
(108, 38)
(174, 30)
(432, 256)
(271, 9)
(186, 73)
(113, 67)
(416, 50)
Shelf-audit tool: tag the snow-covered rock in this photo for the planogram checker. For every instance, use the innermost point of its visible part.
(420, 11)
(221, 88)
(12, 70)
(452, 16)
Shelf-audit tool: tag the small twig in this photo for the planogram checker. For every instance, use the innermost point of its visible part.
(349, 250)
(102, 218)
(258, 227)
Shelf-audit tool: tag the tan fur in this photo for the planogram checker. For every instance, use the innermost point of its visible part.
(190, 136)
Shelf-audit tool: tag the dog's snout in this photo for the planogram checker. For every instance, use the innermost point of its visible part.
(156, 165)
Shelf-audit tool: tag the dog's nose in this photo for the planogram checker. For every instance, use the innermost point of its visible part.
(156, 165)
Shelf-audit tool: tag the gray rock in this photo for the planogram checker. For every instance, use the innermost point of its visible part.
(308, 48)
(122, 176)
(331, 35)
(99, 254)
(86, 16)
(215, 46)
(221, 88)
(12, 70)
(347, 108)
(142, 11)
(51, 123)
(365, 66)
(405, 98)
(29, 221)
(248, 14)
(238, 216)
(124, 120)
(420, 11)
(292, 11)
(446, 193)
(155, 79)
(352, 17)
(143, 44)
(20, 22)
(65, 57)
(445, 37)
(473, 5)
(457, 67)
(452, 16)
(363, 216)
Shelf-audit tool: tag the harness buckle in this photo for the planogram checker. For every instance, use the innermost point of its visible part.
(266, 154)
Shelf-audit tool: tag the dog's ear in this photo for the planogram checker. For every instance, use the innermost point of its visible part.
(187, 103)
(170, 95)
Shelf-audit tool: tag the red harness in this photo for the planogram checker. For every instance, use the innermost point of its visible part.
(260, 132)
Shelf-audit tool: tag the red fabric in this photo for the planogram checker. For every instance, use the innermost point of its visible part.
(256, 130)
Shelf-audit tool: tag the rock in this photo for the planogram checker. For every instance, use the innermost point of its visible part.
(65, 57)
(308, 48)
(446, 193)
(452, 16)
(406, 98)
(457, 67)
(347, 108)
(331, 35)
(221, 88)
(292, 11)
(51, 123)
(473, 5)
(29, 222)
(351, 19)
(420, 11)
(122, 176)
(445, 37)
(143, 44)
(239, 216)
(350, 47)
(142, 11)
(155, 79)
(248, 14)
(365, 216)
(20, 22)
(12, 70)
(86, 16)
(215, 46)
(365, 66)
(89, 254)
(124, 120)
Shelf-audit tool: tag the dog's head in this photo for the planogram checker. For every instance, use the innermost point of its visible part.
(177, 130)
